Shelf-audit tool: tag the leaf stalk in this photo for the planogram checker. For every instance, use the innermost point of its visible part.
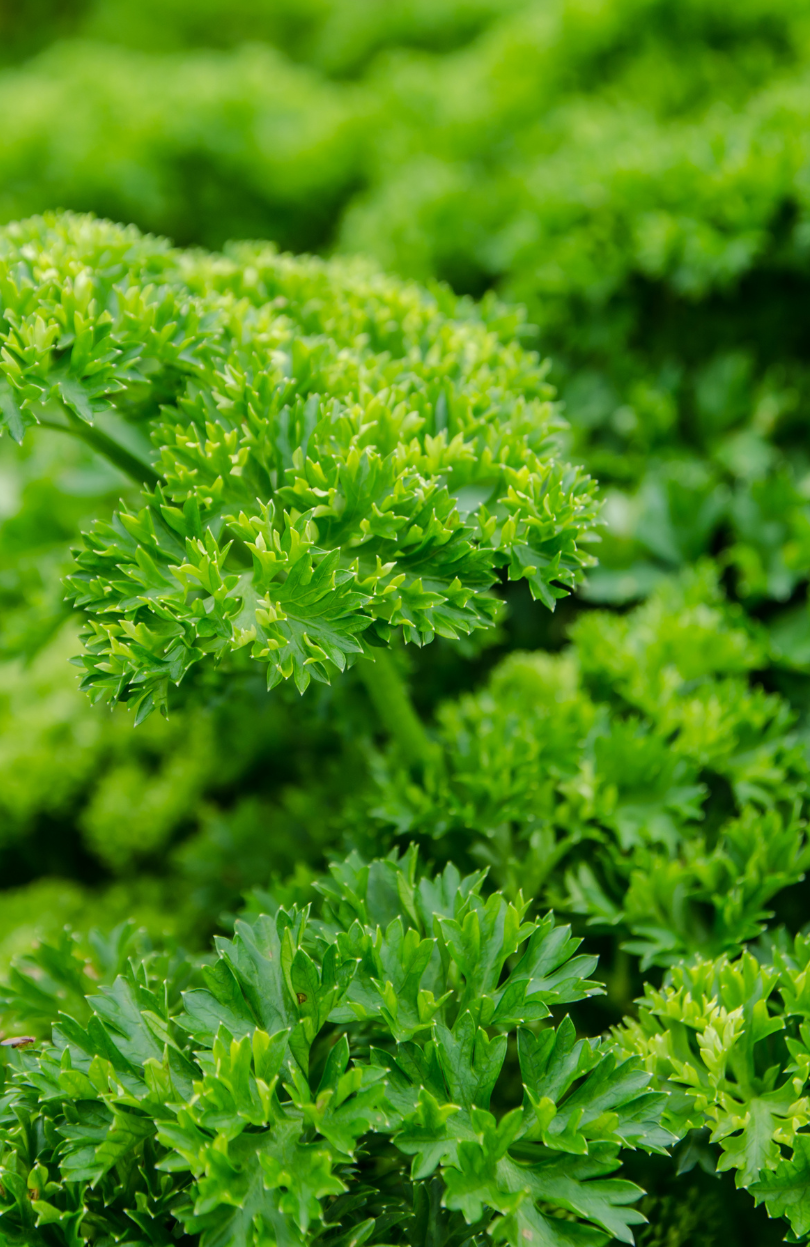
(389, 695)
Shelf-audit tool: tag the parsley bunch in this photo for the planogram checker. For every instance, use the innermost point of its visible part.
(640, 779)
(330, 456)
(333, 1082)
(730, 1042)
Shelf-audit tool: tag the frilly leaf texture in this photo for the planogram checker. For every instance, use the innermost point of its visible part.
(335, 455)
(334, 1079)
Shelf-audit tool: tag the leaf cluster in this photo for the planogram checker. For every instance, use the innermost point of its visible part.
(729, 1040)
(641, 778)
(336, 456)
(632, 172)
(337, 1079)
(324, 451)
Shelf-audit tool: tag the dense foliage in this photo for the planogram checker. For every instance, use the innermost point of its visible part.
(255, 472)
(633, 171)
(332, 1082)
(372, 479)
(637, 778)
(728, 1039)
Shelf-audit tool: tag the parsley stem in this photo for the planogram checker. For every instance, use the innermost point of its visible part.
(139, 472)
(391, 700)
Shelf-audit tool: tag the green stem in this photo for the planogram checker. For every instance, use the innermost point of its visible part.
(390, 698)
(139, 472)
(133, 467)
(618, 982)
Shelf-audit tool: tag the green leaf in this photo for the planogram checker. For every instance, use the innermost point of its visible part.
(785, 1190)
(470, 1061)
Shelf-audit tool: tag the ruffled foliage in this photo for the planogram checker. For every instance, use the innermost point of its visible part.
(639, 778)
(728, 1040)
(632, 171)
(635, 172)
(169, 822)
(335, 455)
(333, 1081)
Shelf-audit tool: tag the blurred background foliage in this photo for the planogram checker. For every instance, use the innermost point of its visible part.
(633, 171)
(637, 173)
